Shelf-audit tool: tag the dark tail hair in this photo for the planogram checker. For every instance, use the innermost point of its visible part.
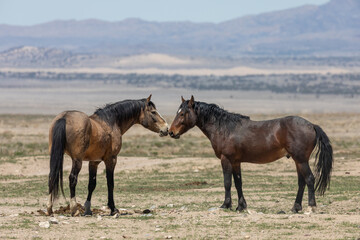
(57, 158)
(323, 161)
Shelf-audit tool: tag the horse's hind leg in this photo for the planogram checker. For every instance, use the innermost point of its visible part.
(49, 206)
(309, 178)
(301, 183)
(93, 166)
(227, 172)
(110, 166)
(76, 167)
(238, 184)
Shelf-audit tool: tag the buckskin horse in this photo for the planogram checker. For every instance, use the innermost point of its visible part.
(236, 139)
(96, 138)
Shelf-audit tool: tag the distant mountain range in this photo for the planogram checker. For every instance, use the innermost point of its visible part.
(332, 29)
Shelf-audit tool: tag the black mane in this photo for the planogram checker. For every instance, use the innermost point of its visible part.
(122, 111)
(212, 113)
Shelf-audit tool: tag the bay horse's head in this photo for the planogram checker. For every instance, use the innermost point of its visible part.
(185, 118)
(152, 120)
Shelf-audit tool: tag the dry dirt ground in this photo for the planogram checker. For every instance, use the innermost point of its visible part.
(182, 188)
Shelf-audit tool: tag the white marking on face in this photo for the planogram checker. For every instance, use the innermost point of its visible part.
(166, 124)
(179, 110)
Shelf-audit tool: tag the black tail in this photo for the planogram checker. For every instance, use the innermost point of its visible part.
(57, 158)
(323, 161)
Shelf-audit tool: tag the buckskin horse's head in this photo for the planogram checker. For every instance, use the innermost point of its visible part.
(185, 118)
(152, 120)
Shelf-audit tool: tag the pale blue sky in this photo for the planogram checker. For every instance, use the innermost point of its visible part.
(30, 12)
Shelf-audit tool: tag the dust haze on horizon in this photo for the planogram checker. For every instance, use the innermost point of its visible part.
(20, 12)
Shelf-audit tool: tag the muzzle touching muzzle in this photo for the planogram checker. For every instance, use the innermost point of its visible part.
(164, 132)
(176, 136)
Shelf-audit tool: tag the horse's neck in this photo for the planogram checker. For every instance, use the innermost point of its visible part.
(209, 131)
(208, 128)
(126, 125)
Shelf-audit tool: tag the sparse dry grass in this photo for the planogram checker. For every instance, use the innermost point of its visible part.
(24, 135)
(192, 184)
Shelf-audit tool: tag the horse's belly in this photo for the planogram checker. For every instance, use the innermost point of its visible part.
(94, 153)
(265, 157)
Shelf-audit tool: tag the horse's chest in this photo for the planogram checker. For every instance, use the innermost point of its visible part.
(223, 146)
(116, 145)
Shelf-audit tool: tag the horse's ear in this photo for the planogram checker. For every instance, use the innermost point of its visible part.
(149, 98)
(182, 99)
(191, 101)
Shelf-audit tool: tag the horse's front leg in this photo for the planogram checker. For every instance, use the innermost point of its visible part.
(238, 184)
(93, 166)
(110, 166)
(227, 171)
(73, 177)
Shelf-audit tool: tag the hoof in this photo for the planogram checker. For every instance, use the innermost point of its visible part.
(240, 208)
(76, 214)
(87, 206)
(49, 212)
(296, 208)
(88, 213)
(226, 206)
(241, 205)
(73, 207)
(115, 211)
(310, 209)
(74, 211)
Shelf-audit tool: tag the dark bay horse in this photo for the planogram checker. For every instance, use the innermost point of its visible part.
(96, 138)
(235, 139)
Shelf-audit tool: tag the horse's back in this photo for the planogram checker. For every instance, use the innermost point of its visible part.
(259, 141)
(269, 140)
(289, 129)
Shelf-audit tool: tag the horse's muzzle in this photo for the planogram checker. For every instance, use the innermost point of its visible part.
(163, 133)
(177, 136)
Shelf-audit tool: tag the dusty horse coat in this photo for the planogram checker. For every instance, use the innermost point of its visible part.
(236, 139)
(96, 138)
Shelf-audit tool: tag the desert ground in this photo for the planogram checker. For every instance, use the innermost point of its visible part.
(181, 183)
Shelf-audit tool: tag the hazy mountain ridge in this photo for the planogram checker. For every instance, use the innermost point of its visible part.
(29, 56)
(329, 29)
(39, 57)
(344, 83)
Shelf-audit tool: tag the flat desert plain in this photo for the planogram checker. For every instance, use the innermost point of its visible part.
(179, 181)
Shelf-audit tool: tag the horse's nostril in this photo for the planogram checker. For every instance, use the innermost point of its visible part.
(164, 132)
(171, 134)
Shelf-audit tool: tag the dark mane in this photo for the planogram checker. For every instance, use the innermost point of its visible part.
(216, 115)
(122, 111)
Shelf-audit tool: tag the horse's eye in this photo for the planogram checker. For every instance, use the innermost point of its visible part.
(181, 114)
(153, 112)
